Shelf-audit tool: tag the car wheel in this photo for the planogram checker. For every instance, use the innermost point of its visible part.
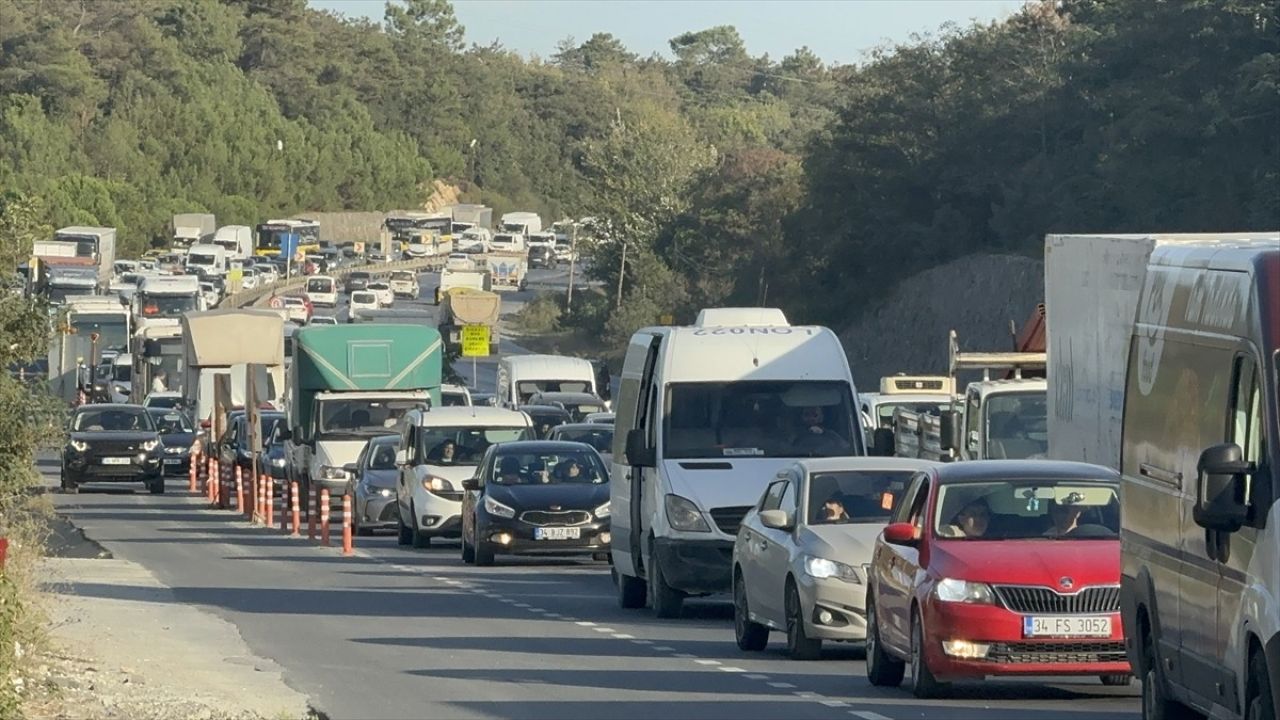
(468, 552)
(799, 645)
(69, 486)
(750, 636)
(632, 592)
(666, 601)
(923, 684)
(1116, 680)
(156, 486)
(484, 554)
(1259, 704)
(1156, 703)
(420, 539)
(405, 534)
(882, 669)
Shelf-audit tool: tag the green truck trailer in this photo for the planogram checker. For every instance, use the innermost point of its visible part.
(349, 383)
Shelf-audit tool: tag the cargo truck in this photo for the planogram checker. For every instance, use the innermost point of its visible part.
(469, 306)
(521, 223)
(929, 394)
(157, 348)
(165, 298)
(508, 271)
(91, 326)
(237, 239)
(63, 282)
(348, 383)
(222, 342)
(76, 246)
(192, 228)
(469, 216)
(451, 279)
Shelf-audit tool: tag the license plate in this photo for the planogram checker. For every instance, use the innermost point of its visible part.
(173, 461)
(1065, 626)
(554, 533)
(116, 461)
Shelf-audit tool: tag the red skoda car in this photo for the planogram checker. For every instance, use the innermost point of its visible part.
(1002, 567)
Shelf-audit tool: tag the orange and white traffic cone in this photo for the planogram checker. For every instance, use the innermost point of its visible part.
(324, 516)
(297, 510)
(346, 525)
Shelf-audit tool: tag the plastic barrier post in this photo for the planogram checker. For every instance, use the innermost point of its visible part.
(324, 516)
(346, 525)
(240, 493)
(311, 512)
(268, 504)
(239, 480)
(297, 510)
(286, 499)
(193, 472)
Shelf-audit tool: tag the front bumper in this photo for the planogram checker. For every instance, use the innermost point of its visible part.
(1011, 653)
(437, 515)
(696, 567)
(844, 603)
(378, 512)
(82, 468)
(594, 538)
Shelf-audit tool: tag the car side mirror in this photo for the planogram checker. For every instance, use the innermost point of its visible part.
(402, 457)
(884, 442)
(776, 519)
(638, 453)
(471, 484)
(1221, 502)
(901, 534)
(352, 468)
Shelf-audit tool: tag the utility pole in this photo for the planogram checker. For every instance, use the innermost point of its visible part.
(622, 269)
(573, 259)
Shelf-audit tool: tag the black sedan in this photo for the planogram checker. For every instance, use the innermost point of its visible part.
(177, 435)
(274, 460)
(536, 498)
(112, 443)
(373, 484)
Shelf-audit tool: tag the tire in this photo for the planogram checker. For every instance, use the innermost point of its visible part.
(156, 486)
(420, 539)
(883, 670)
(799, 645)
(468, 552)
(1116, 680)
(750, 636)
(357, 528)
(69, 486)
(666, 601)
(484, 554)
(1156, 703)
(923, 683)
(632, 591)
(405, 535)
(1259, 703)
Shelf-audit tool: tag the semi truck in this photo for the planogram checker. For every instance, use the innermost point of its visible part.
(191, 228)
(348, 383)
(222, 342)
(165, 298)
(90, 326)
(469, 306)
(521, 223)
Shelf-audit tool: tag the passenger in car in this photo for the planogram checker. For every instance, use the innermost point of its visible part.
(973, 520)
(833, 511)
(1065, 518)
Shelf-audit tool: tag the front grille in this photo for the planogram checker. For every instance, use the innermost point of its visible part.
(1097, 600)
(729, 518)
(556, 518)
(454, 495)
(1028, 653)
(390, 512)
(101, 448)
(913, 384)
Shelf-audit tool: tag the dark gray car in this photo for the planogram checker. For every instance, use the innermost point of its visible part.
(373, 484)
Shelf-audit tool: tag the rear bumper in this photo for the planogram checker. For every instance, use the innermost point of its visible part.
(696, 567)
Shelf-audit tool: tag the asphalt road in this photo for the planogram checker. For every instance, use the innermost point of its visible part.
(399, 633)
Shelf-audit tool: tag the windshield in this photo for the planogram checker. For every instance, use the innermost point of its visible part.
(402, 277)
(526, 389)
(363, 416)
(113, 330)
(1017, 426)
(266, 424)
(113, 420)
(167, 402)
(600, 438)
(364, 298)
(169, 306)
(1029, 510)
(760, 419)
(359, 276)
(121, 372)
(172, 422)
(884, 411)
(453, 399)
(464, 445)
(201, 259)
(544, 422)
(320, 285)
(549, 468)
(382, 454)
(855, 496)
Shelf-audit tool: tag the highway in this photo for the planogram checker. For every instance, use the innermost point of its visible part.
(400, 633)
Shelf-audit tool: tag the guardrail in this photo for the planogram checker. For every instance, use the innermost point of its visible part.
(258, 295)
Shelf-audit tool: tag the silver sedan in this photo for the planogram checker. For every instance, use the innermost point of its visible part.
(800, 558)
(373, 484)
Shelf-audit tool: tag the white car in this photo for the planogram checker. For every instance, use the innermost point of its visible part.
(459, 261)
(248, 279)
(267, 273)
(386, 298)
(323, 320)
(362, 301)
(296, 308)
(322, 290)
(404, 284)
(210, 293)
(429, 490)
(455, 395)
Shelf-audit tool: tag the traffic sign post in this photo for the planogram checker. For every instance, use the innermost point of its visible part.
(475, 344)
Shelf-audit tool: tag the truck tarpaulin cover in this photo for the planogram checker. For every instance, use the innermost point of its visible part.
(367, 357)
(469, 306)
(221, 338)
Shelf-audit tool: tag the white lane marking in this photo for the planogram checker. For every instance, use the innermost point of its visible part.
(807, 694)
(730, 669)
(707, 662)
(604, 630)
(781, 685)
(554, 616)
(754, 676)
(867, 715)
(585, 623)
(664, 648)
(522, 605)
(685, 656)
(624, 636)
(834, 703)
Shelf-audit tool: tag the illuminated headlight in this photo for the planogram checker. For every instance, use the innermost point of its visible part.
(963, 591)
(435, 484)
(121, 389)
(602, 511)
(384, 492)
(684, 515)
(79, 445)
(822, 568)
(965, 649)
(150, 445)
(174, 450)
(277, 462)
(328, 472)
(497, 509)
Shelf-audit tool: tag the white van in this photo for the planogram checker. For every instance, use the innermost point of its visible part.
(1200, 469)
(705, 418)
(322, 290)
(520, 376)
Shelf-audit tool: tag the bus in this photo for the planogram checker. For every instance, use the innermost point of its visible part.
(268, 234)
(417, 228)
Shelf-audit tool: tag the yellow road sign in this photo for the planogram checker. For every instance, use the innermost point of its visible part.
(475, 341)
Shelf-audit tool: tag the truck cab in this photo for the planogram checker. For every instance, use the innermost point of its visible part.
(164, 298)
(920, 393)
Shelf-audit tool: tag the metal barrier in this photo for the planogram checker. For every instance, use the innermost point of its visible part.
(259, 295)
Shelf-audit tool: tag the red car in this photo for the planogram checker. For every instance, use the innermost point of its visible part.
(998, 568)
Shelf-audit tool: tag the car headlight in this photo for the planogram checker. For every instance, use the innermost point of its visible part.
(79, 445)
(174, 450)
(328, 472)
(602, 511)
(493, 507)
(821, 568)
(384, 492)
(684, 515)
(433, 484)
(277, 462)
(150, 445)
(963, 591)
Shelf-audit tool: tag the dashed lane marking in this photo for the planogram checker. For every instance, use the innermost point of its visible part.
(867, 715)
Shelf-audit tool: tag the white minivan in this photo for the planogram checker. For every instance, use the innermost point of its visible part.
(522, 376)
(705, 418)
(1200, 481)
(322, 290)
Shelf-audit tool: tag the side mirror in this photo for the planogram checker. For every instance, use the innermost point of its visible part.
(949, 424)
(883, 442)
(639, 454)
(1220, 488)
(776, 519)
(402, 457)
(352, 468)
(901, 534)
(471, 484)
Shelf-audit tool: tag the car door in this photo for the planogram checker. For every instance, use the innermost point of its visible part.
(775, 556)
(404, 478)
(752, 544)
(471, 498)
(896, 567)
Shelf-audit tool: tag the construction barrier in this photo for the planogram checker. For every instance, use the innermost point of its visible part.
(193, 471)
(293, 499)
(311, 512)
(286, 499)
(240, 493)
(268, 504)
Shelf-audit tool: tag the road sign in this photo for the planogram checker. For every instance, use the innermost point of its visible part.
(359, 248)
(289, 244)
(277, 302)
(475, 341)
(666, 319)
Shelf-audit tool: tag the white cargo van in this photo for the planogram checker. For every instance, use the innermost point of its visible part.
(322, 290)
(1200, 468)
(521, 376)
(705, 417)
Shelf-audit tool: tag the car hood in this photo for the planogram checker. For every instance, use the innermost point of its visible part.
(178, 439)
(381, 478)
(453, 473)
(1028, 562)
(110, 436)
(722, 482)
(536, 497)
(850, 544)
(337, 453)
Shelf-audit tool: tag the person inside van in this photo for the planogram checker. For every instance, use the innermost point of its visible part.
(443, 454)
(814, 435)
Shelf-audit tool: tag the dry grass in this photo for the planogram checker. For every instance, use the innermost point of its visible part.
(22, 619)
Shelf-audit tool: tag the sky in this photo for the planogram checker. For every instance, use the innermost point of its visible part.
(838, 31)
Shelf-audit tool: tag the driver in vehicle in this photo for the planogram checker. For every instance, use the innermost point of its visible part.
(444, 453)
(972, 520)
(509, 471)
(814, 435)
(1066, 517)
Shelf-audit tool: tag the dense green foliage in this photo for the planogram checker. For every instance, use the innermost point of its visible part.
(727, 177)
